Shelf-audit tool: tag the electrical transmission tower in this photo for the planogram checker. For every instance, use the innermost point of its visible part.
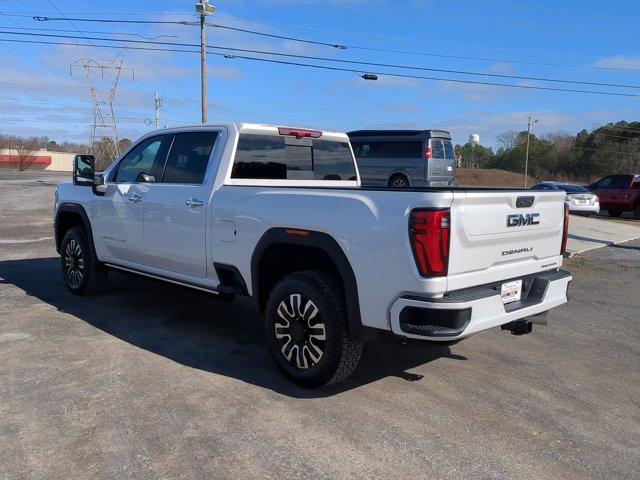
(102, 78)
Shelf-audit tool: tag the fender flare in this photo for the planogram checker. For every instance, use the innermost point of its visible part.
(78, 209)
(330, 246)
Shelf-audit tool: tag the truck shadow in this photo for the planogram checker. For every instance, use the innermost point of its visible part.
(197, 330)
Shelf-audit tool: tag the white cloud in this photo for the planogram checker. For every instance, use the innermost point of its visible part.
(474, 93)
(620, 61)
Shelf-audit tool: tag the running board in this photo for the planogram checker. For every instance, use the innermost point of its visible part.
(164, 279)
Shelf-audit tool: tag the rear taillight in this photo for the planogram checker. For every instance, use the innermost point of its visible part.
(565, 230)
(427, 153)
(429, 233)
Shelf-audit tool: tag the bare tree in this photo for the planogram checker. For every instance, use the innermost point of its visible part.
(560, 139)
(104, 153)
(508, 140)
(25, 153)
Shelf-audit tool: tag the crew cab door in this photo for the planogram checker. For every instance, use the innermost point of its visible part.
(117, 219)
(619, 192)
(176, 206)
(602, 189)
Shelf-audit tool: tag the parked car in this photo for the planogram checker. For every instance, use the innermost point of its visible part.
(279, 215)
(618, 194)
(579, 200)
(404, 158)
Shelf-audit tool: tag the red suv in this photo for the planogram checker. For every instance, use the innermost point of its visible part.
(618, 194)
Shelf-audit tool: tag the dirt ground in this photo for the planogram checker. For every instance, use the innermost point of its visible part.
(149, 380)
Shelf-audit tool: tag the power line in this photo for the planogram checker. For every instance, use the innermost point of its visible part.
(282, 37)
(404, 41)
(351, 70)
(111, 20)
(100, 32)
(359, 62)
(337, 45)
(76, 28)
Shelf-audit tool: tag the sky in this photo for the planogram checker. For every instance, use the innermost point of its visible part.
(571, 40)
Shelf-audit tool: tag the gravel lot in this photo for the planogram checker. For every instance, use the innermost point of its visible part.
(154, 381)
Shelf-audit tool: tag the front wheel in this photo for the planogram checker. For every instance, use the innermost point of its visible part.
(81, 272)
(636, 211)
(307, 330)
(615, 213)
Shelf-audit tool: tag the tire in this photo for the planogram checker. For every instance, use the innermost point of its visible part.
(615, 213)
(636, 211)
(398, 181)
(307, 330)
(82, 273)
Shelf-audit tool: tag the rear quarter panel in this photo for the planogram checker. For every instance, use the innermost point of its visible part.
(370, 226)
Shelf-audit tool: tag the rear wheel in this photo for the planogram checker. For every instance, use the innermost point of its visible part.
(80, 269)
(615, 213)
(307, 330)
(636, 211)
(399, 181)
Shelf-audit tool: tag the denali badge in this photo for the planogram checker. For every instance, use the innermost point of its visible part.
(519, 250)
(522, 220)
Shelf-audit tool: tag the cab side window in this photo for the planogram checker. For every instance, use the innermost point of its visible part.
(189, 157)
(147, 157)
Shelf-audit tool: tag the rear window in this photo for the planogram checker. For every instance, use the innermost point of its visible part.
(449, 153)
(573, 189)
(387, 149)
(542, 186)
(437, 149)
(264, 157)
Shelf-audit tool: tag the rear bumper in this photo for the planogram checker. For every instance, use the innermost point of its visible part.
(468, 311)
(577, 208)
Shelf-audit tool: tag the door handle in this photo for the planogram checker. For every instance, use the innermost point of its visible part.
(135, 198)
(192, 203)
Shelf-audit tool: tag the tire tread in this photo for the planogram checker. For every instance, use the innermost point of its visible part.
(350, 351)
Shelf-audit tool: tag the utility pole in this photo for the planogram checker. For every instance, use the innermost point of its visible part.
(158, 104)
(204, 9)
(526, 158)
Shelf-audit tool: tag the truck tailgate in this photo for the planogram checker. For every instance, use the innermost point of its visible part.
(498, 235)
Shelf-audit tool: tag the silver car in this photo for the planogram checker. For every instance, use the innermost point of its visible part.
(580, 200)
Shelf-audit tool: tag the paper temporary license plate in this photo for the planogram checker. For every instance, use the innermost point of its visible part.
(511, 291)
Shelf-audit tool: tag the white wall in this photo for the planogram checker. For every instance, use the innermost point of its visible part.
(61, 161)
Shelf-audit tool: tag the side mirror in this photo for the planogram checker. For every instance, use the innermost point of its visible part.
(83, 170)
(99, 185)
(145, 178)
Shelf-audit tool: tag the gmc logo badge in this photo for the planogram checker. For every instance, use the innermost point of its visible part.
(522, 220)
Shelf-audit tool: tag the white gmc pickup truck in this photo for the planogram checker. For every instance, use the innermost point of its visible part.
(278, 214)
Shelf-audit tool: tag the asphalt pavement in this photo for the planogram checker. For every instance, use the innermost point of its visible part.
(149, 380)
